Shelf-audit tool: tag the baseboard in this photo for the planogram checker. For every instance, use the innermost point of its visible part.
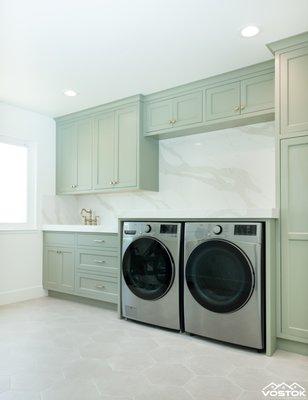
(15, 296)
(294, 347)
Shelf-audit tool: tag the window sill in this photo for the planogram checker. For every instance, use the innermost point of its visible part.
(18, 229)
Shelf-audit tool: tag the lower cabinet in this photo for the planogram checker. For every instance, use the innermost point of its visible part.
(294, 239)
(59, 269)
(88, 267)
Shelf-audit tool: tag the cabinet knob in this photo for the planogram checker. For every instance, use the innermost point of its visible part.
(111, 182)
(237, 108)
(74, 186)
(242, 107)
(172, 121)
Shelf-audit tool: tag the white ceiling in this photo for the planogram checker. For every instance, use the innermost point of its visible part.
(109, 49)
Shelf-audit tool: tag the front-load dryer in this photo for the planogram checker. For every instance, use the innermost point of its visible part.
(150, 273)
(224, 282)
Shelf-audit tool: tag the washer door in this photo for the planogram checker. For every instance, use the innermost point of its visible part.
(148, 268)
(219, 276)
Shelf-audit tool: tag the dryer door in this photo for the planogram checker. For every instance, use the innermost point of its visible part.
(219, 276)
(148, 268)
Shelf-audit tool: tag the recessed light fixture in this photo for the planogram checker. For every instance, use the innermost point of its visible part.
(70, 93)
(198, 144)
(250, 31)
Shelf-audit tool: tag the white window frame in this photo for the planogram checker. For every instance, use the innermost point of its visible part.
(31, 223)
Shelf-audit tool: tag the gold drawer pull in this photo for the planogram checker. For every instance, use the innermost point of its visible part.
(99, 261)
(98, 286)
(99, 240)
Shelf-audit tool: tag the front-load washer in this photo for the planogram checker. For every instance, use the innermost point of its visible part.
(150, 273)
(224, 282)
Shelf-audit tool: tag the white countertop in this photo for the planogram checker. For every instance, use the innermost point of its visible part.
(259, 213)
(80, 228)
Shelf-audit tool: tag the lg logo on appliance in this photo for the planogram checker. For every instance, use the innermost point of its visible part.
(283, 390)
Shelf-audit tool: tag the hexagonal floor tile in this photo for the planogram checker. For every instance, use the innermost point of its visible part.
(213, 388)
(130, 362)
(252, 379)
(35, 381)
(13, 395)
(209, 365)
(164, 392)
(4, 383)
(168, 374)
(77, 389)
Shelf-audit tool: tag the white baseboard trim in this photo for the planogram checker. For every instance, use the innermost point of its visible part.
(14, 296)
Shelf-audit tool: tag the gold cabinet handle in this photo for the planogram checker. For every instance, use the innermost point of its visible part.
(100, 286)
(99, 240)
(243, 107)
(74, 186)
(237, 108)
(99, 261)
(172, 121)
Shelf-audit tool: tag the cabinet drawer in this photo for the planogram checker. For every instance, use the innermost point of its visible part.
(98, 261)
(59, 238)
(98, 240)
(97, 287)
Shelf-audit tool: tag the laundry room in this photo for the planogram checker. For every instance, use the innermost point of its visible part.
(153, 218)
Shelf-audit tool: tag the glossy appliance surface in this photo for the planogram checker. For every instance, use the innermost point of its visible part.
(150, 273)
(223, 282)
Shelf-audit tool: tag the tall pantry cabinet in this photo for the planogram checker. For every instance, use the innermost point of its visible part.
(291, 60)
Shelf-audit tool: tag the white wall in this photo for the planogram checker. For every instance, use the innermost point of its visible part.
(231, 169)
(21, 252)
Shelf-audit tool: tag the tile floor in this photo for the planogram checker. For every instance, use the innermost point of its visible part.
(53, 349)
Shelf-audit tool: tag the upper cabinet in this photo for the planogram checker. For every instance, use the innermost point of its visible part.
(74, 150)
(104, 150)
(232, 99)
(251, 95)
(223, 101)
(294, 92)
(175, 112)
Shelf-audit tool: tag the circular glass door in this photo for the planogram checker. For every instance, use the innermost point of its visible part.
(148, 268)
(219, 276)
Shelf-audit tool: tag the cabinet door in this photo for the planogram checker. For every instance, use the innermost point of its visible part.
(158, 115)
(294, 237)
(126, 147)
(223, 101)
(84, 155)
(67, 271)
(66, 158)
(104, 151)
(188, 109)
(294, 92)
(257, 93)
(52, 268)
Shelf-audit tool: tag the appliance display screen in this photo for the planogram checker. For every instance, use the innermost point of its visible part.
(245, 230)
(164, 228)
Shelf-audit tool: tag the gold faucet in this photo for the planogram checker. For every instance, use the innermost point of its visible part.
(88, 217)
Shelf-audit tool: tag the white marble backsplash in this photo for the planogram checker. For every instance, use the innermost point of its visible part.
(220, 170)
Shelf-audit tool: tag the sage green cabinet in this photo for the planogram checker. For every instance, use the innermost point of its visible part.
(223, 101)
(59, 273)
(294, 237)
(104, 149)
(83, 264)
(176, 112)
(254, 94)
(258, 93)
(158, 115)
(74, 150)
(294, 92)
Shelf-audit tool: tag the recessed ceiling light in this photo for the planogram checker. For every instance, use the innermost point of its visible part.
(70, 92)
(250, 31)
(198, 144)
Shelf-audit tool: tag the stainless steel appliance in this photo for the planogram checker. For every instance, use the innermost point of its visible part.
(224, 282)
(150, 273)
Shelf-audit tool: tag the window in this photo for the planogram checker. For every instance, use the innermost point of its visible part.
(17, 193)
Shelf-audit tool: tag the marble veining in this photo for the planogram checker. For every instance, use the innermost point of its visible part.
(229, 173)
